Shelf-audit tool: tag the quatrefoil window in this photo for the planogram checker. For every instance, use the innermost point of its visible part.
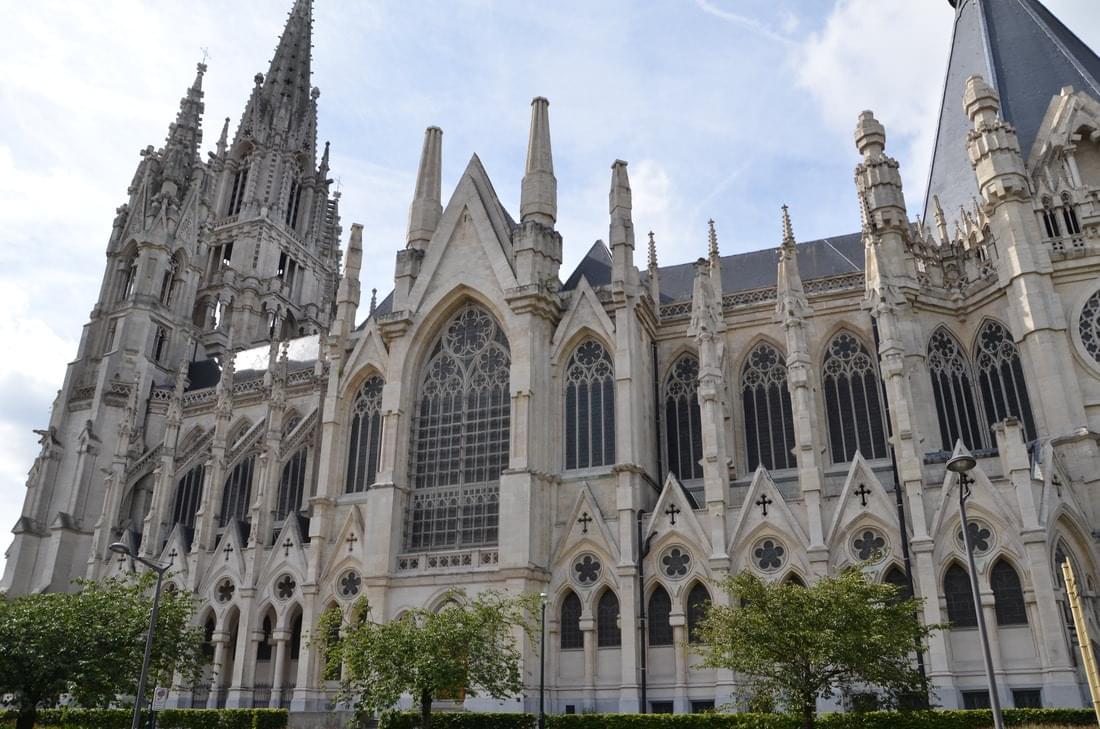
(284, 588)
(225, 590)
(981, 536)
(350, 583)
(869, 545)
(587, 569)
(675, 562)
(769, 554)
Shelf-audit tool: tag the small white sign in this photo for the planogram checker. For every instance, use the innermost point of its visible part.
(160, 698)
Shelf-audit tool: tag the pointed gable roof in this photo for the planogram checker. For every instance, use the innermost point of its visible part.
(1027, 55)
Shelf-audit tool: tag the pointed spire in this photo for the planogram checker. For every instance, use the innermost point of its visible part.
(712, 240)
(539, 192)
(619, 200)
(223, 139)
(181, 148)
(941, 219)
(788, 231)
(426, 207)
(283, 105)
(652, 271)
(714, 259)
(373, 300)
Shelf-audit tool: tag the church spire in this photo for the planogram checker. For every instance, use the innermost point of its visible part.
(181, 148)
(621, 233)
(283, 106)
(1027, 56)
(426, 208)
(539, 193)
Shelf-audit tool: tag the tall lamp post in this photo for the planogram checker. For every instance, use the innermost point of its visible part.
(962, 465)
(120, 548)
(542, 664)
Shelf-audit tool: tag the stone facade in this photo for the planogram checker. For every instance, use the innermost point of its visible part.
(787, 411)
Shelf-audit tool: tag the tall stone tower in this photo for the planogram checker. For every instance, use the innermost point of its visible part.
(203, 257)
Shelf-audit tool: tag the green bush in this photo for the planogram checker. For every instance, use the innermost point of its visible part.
(742, 720)
(222, 719)
(74, 718)
(955, 719)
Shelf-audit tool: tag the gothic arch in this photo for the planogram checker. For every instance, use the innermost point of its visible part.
(852, 395)
(588, 402)
(682, 421)
(363, 424)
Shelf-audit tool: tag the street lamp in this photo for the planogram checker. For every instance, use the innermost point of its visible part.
(120, 548)
(961, 466)
(542, 664)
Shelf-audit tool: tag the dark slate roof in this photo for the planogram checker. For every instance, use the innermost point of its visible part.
(757, 269)
(595, 266)
(385, 306)
(201, 375)
(1027, 55)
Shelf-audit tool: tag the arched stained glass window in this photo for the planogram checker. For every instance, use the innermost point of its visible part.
(953, 389)
(366, 436)
(1001, 378)
(769, 426)
(571, 634)
(1008, 594)
(608, 634)
(660, 608)
(697, 605)
(683, 427)
(589, 407)
(460, 435)
(291, 485)
(237, 494)
(960, 600)
(853, 400)
(188, 496)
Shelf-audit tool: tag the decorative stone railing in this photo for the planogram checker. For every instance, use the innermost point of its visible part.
(471, 559)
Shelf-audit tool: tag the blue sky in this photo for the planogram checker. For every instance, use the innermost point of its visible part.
(725, 109)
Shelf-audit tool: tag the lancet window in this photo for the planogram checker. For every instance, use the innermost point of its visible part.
(294, 201)
(1069, 215)
(683, 426)
(660, 608)
(697, 604)
(237, 492)
(240, 182)
(129, 278)
(571, 635)
(291, 485)
(589, 407)
(366, 435)
(1001, 378)
(608, 633)
(953, 390)
(1050, 220)
(1008, 594)
(460, 435)
(769, 425)
(853, 400)
(169, 281)
(960, 599)
(188, 496)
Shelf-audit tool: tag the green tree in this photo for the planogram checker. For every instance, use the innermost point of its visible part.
(91, 643)
(794, 644)
(468, 646)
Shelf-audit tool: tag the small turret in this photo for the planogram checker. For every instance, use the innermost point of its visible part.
(791, 302)
(426, 208)
(652, 272)
(878, 183)
(993, 147)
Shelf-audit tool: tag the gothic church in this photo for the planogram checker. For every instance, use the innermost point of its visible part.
(617, 437)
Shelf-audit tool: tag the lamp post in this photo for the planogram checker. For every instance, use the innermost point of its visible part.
(961, 466)
(120, 548)
(542, 664)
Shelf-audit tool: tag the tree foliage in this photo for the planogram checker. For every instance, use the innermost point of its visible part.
(470, 646)
(794, 644)
(90, 643)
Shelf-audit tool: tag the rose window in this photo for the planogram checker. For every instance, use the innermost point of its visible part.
(675, 562)
(587, 569)
(350, 583)
(769, 554)
(284, 588)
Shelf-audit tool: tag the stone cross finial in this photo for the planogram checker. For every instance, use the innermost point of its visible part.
(788, 231)
(652, 251)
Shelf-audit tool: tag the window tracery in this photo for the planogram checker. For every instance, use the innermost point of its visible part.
(853, 400)
(959, 598)
(608, 634)
(769, 425)
(460, 435)
(589, 407)
(697, 603)
(366, 436)
(683, 426)
(1088, 326)
(953, 390)
(1001, 378)
(660, 609)
(1008, 594)
(188, 496)
(237, 492)
(570, 628)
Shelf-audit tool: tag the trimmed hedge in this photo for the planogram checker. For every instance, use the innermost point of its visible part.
(459, 720)
(954, 719)
(71, 718)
